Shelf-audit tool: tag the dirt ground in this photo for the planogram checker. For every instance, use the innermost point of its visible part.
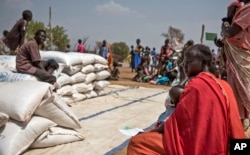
(126, 79)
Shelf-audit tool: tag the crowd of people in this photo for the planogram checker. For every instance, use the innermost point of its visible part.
(152, 67)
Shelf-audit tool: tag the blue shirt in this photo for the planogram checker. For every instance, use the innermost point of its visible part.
(104, 52)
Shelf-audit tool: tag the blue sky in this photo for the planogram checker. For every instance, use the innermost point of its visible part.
(122, 20)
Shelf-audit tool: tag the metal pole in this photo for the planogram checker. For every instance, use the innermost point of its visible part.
(50, 28)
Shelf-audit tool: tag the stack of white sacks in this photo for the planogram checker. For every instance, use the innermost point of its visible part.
(79, 77)
(83, 75)
(32, 115)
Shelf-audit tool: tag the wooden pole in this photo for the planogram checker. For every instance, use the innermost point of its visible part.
(202, 33)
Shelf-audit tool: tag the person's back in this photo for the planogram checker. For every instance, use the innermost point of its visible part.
(80, 46)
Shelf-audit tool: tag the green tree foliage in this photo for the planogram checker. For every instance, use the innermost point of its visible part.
(174, 34)
(59, 39)
(32, 28)
(120, 51)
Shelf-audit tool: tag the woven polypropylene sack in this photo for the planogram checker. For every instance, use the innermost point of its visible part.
(56, 136)
(3, 119)
(16, 136)
(20, 99)
(55, 109)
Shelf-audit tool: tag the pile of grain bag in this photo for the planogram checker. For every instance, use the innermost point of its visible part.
(33, 116)
(84, 75)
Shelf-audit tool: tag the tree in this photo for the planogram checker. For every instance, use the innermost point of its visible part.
(59, 41)
(59, 38)
(120, 51)
(32, 28)
(174, 35)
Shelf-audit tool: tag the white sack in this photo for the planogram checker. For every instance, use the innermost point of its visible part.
(86, 58)
(3, 119)
(9, 76)
(99, 85)
(100, 60)
(102, 92)
(57, 72)
(20, 99)
(56, 136)
(71, 70)
(78, 78)
(56, 110)
(68, 99)
(83, 87)
(61, 57)
(16, 137)
(66, 90)
(8, 61)
(88, 69)
(63, 80)
(90, 77)
(102, 75)
(91, 94)
(100, 67)
(78, 97)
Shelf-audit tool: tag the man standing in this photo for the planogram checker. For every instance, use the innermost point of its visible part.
(104, 50)
(16, 35)
(28, 60)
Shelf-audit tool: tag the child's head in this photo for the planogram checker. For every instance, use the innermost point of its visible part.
(175, 93)
(27, 15)
(115, 64)
(51, 63)
(215, 69)
(79, 41)
(5, 33)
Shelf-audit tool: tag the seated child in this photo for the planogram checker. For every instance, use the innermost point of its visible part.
(174, 95)
(142, 72)
(115, 72)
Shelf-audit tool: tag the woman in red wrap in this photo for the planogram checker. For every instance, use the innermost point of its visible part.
(204, 120)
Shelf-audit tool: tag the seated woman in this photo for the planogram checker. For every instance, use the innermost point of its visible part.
(204, 120)
(142, 72)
